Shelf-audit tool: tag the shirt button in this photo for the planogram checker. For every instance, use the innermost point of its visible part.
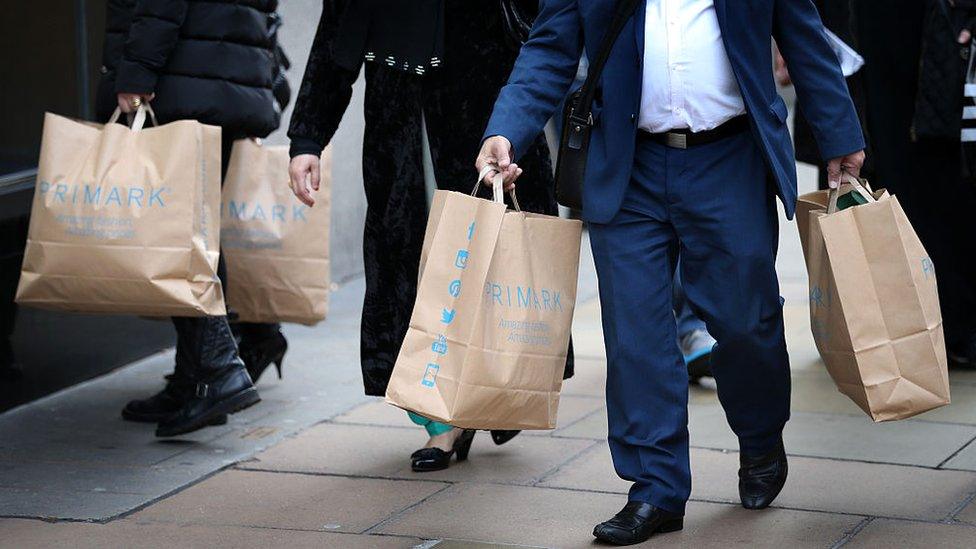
(633, 117)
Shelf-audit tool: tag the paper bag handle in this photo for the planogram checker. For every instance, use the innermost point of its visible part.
(139, 120)
(858, 186)
(497, 183)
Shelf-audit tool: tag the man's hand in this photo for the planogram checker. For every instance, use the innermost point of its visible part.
(304, 174)
(496, 151)
(129, 102)
(851, 164)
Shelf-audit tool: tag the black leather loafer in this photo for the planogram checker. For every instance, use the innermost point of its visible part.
(762, 477)
(636, 523)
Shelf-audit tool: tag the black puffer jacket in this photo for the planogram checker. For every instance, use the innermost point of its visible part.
(207, 60)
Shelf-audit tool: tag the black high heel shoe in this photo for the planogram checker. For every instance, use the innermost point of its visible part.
(257, 356)
(426, 460)
(501, 437)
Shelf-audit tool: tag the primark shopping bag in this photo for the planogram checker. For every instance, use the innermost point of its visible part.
(276, 249)
(488, 338)
(874, 303)
(125, 220)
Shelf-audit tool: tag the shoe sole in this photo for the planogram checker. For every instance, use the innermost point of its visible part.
(128, 416)
(240, 401)
(671, 526)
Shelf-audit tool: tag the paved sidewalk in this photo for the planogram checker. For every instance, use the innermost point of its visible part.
(345, 481)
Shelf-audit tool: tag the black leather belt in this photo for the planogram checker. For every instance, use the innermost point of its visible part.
(684, 138)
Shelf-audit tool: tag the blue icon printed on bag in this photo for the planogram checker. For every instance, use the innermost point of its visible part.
(461, 261)
(471, 230)
(818, 298)
(928, 268)
(430, 375)
(440, 345)
(447, 316)
(455, 288)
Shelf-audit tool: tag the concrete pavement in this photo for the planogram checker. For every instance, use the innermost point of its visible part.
(318, 465)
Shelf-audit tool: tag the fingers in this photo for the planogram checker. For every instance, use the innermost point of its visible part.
(833, 173)
(850, 164)
(298, 174)
(496, 152)
(124, 104)
(315, 176)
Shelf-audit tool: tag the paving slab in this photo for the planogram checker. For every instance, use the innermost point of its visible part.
(589, 379)
(293, 501)
(962, 376)
(814, 484)
(907, 442)
(968, 514)
(340, 449)
(896, 533)
(74, 442)
(30, 534)
(561, 518)
(965, 459)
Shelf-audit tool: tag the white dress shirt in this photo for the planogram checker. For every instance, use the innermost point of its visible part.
(688, 80)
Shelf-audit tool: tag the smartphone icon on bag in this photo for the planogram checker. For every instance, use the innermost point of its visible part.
(430, 375)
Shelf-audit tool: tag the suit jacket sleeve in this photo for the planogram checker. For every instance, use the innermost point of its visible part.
(544, 70)
(326, 88)
(821, 88)
(152, 35)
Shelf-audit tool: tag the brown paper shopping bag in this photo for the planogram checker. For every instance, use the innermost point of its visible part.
(125, 220)
(276, 249)
(488, 338)
(874, 305)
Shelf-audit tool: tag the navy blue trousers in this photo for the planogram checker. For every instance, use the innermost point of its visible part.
(713, 206)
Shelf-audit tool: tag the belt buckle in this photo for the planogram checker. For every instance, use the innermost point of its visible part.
(677, 140)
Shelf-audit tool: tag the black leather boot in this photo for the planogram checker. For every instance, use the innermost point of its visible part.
(163, 404)
(261, 346)
(221, 384)
(762, 477)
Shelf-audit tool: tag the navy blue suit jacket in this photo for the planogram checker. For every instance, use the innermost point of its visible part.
(548, 61)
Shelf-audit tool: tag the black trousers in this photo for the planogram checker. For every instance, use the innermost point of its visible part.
(924, 174)
(455, 101)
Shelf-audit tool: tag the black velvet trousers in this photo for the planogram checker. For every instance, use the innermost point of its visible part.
(455, 101)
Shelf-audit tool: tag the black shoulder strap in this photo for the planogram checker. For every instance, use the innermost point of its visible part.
(622, 13)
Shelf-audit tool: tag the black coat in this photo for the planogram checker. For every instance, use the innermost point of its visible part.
(207, 60)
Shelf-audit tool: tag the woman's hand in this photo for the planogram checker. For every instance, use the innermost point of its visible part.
(129, 102)
(496, 151)
(304, 174)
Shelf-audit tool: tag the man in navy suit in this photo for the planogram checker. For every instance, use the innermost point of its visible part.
(689, 149)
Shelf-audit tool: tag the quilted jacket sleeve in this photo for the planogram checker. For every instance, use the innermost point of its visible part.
(153, 34)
